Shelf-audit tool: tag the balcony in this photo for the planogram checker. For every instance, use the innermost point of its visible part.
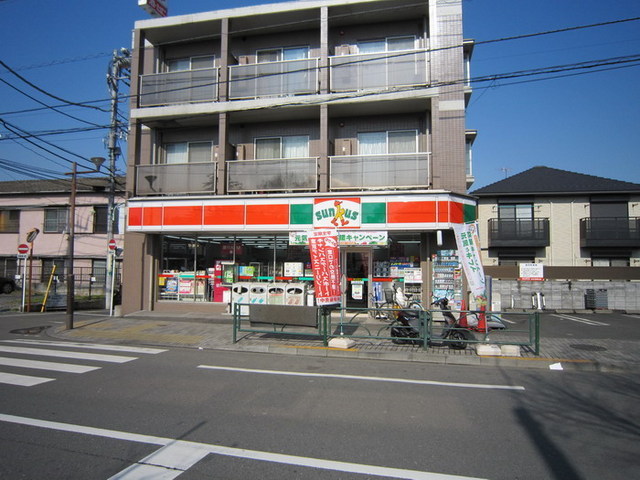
(610, 232)
(362, 172)
(280, 174)
(519, 233)
(378, 70)
(189, 86)
(273, 79)
(176, 179)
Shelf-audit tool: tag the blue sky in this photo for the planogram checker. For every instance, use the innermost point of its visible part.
(586, 123)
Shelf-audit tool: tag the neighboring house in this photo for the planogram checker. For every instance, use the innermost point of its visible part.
(583, 229)
(44, 205)
(252, 126)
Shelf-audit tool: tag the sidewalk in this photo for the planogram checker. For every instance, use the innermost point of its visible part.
(190, 331)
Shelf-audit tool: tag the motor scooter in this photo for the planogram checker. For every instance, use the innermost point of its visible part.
(406, 328)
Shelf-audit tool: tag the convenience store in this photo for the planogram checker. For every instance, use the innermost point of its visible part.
(200, 249)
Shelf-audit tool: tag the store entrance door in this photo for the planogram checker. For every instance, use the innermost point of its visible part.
(356, 267)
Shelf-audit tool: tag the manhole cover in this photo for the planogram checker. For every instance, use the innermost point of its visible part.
(29, 331)
(590, 348)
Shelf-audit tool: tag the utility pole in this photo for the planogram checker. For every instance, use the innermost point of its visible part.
(118, 70)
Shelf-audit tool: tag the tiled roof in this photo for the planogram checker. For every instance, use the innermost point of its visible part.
(546, 180)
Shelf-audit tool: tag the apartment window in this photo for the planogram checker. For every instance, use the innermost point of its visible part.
(190, 63)
(55, 220)
(610, 262)
(9, 221)
(100, 220)
(295, 146)
(281, 54)
(391, 142)
(188, 152)
(389, 44)
(522, 211)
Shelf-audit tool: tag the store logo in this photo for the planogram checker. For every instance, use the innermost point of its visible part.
(337, 213)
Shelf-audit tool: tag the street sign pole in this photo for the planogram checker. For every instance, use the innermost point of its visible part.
(23, 252)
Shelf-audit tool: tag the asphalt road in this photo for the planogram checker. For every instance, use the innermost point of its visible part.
(232, 415)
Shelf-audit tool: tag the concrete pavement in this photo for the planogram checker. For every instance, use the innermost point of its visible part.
(192, 331)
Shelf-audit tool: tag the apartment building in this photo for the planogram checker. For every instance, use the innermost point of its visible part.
(252, 126)
(583, 230)
(43, 207)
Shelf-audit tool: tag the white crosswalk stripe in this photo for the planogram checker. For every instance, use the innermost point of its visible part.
(26, 347)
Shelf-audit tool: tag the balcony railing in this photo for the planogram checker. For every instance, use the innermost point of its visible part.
(189, 86)
(174, 179)
(281, 174)
(378, 70)
(610, 232)
(406, 170)
(273, 79)
(519, 232)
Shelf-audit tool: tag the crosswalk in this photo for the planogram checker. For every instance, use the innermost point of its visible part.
(19, 355)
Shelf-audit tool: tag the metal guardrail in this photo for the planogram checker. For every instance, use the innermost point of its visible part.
(371, 325)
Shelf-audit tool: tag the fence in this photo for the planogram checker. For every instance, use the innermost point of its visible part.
(88, 281)
(374, 326)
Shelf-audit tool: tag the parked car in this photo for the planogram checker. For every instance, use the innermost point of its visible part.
(7, 285)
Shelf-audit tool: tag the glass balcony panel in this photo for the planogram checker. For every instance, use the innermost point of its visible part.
(282, 174)
(179, 178)
(379, 171)
(189, 86)
(378, 70)
(273, 79)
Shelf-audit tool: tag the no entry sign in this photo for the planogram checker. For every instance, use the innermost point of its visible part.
(23, 248)
(112, 244)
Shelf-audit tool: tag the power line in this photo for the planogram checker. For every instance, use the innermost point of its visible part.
(13, 72)
(45, 105)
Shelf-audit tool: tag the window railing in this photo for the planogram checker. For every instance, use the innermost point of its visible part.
(610, 232)
(403, 170)
(519, 232)
(273, 79)
(282, 174)
(173, 179)
(378, 70)
(189, 86)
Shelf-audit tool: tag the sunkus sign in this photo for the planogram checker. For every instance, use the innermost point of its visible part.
(337, 213)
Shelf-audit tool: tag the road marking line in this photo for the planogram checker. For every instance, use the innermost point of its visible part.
(60, 353)
(593, 323)
(371, 379)
(309, 462)
(169, 462)
(22, 380)
(632, 316)
(52, 366)
(89, 346)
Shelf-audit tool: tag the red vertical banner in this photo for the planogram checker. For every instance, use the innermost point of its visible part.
(325, 262)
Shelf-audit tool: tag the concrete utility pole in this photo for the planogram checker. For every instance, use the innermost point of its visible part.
(118, 70)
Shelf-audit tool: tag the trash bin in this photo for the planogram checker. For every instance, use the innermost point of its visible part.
(240, 295)
(295, 294)
(275, 293)
(258, 294)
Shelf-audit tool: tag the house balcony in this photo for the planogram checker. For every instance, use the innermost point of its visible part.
(280, 174)
(367, 172)
(378, 70)
(176, 179)
(610, 232)
(189, 86)
(273, 79)
(519, 233)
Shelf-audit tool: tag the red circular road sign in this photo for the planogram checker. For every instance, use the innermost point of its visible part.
(23, 248)
(112, 244)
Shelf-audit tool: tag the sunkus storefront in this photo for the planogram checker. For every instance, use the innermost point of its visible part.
(256, 250)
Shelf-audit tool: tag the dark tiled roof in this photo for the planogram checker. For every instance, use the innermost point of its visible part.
(545, 180)
(63, 185)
